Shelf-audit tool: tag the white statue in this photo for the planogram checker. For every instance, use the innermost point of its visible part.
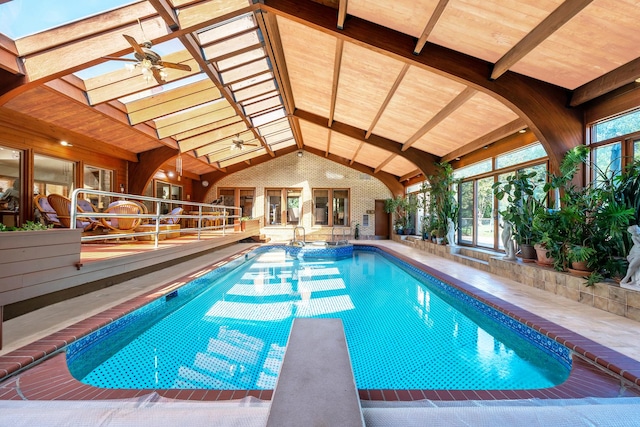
(451, 232)
(633, 271)
(507, 241)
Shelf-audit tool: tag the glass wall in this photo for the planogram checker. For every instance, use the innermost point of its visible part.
(167, 191)
(479, 218)
(274, 207)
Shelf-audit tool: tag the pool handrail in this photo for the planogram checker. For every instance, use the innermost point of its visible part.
(228, 212)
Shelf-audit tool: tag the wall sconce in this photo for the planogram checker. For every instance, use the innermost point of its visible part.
(170, 174)
(299, 153)
(122, 188)
(205, 183)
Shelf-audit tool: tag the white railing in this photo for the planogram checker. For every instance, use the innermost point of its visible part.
(221, 217)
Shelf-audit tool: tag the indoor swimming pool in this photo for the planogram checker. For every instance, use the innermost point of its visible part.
(405, 329)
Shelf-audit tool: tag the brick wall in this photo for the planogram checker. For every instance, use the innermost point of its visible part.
(308, 172)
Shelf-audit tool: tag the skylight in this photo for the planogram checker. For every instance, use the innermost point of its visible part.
(20, 18)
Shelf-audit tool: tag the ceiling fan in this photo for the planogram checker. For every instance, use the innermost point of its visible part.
(150, 62)
(238, 143)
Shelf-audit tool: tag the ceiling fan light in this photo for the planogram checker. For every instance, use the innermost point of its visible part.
(130, 67)
(163, 74)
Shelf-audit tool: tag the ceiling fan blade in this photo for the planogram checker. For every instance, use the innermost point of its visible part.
(115, 58)
(182, 67)
(134, 44)
(157, 76)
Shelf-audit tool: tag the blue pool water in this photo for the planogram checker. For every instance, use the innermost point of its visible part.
(229, 330)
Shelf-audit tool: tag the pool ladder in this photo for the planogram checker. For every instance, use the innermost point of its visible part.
(343, 235)
(296, 241)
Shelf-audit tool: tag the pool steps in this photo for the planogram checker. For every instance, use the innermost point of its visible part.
(316, 386)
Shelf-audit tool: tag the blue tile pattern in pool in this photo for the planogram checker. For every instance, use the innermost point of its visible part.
(405, 330)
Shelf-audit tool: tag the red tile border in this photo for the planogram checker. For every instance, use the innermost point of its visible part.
(38, 371)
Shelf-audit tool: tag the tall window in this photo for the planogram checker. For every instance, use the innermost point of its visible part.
(98, 179)
(341, 207)
(246, 201)
(283, 206)
(9, 185)
(321, 207)
(479, 221)
(51, 175)
(636, 150)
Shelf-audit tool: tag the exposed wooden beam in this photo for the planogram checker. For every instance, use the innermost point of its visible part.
(433, 20)
(342, 13)
(489, 138)
(355, 153)
(326, 152)
(141, 173)
(390, 94)
(425, 161)
(452, 106)
(410, 175)
(166, 11)
(384, 163)
(556, 19)
(170, 106)
(9, 56)
(336, 78)
(614, 79)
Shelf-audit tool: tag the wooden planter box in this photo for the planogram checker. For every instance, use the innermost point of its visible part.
(25, 255)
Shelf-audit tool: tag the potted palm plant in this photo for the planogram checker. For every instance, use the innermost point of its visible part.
(442, 196)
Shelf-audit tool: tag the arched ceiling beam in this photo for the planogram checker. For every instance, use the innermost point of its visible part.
(541, 105)
(141, 173)
(425, 161)
(540, 33)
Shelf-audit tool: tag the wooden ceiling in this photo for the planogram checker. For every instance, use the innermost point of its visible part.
(326, 75)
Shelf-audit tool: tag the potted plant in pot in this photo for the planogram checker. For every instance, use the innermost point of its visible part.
(581, 258)
(523, 206)
(395, 206)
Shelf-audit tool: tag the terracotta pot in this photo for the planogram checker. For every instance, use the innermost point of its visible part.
(580, 266)
(543, 259)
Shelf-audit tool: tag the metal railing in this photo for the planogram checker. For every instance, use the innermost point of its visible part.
(220, 217)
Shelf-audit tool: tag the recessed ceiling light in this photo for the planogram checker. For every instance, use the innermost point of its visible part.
(522, 131)
(65, 143)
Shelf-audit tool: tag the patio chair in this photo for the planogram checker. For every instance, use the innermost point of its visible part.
(47, 213)
(122, 224)
(172, 217)
(87, 206)
(62, 206)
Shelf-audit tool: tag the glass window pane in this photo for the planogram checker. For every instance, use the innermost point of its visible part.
(636, 150)
(246, 202)
(466, 222)
(10, 184)
(293, 207)
(321, 207)
(521, 155)
(340, 207)
(622, 125)
(474, 169)
(502, 204)
(52, 175)
(607, 161)
(273, 208)
(97, 179)
(485, 226)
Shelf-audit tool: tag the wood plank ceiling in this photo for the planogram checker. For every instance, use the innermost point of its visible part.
(257, 75)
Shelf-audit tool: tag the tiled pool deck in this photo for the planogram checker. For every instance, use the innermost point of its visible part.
(38, 371)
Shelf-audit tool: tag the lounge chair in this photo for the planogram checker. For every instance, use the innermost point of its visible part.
(47, 212)
(122, 224)
(62, 206)
(172, 217)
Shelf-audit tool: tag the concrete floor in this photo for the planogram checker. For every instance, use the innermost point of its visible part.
(613, 331)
